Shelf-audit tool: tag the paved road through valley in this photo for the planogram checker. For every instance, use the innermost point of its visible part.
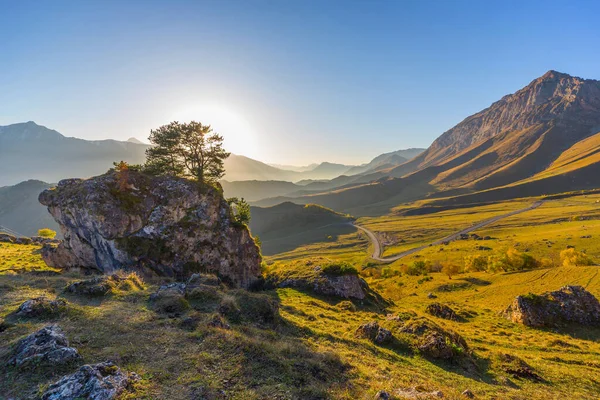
(377, 247)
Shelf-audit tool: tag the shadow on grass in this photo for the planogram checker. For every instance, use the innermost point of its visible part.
(330, 233)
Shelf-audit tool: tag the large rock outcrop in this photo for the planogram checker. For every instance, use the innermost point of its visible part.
(167, 225)
(569, 304)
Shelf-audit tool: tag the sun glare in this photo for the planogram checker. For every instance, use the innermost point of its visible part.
(239, 135)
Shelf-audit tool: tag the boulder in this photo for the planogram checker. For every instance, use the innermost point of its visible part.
(374, 332)
(23, 240)
(170, 299)
(47, 347)
(6, 238)
(442, 311)
(435, 342)
(569, 304)
(103, 381)
(344, 286)
(157, 224)
(102, 285)
(41, 307)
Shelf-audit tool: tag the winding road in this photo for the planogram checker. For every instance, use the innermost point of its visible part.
(377, 248)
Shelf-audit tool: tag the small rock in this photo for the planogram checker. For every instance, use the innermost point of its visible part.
(49, 347)
(374, 332)
(6, 238)
(41, 307)
(202, 279)
(468, 393)
(104, 381)
(442, 311)
(431, 296)
(382, 395)
(218, 322)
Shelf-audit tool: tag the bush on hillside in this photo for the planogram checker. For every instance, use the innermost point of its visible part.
(450, 270)
(417, 268)
(46, 233)
(571, 257)
(476, 263)
(514, 260)
(339, 268)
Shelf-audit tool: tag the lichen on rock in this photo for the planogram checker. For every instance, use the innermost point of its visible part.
(569, 304)
(103, 381)
(163, 225)
(47, 347)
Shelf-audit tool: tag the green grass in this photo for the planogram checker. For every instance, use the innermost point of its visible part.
(15, 258)
(310, 351)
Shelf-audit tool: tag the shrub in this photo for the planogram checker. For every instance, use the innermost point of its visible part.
(450, 269)
(476, 263)
(46, 233)
(571, 257)
(339, 268)
(515, 260)
(419, 267)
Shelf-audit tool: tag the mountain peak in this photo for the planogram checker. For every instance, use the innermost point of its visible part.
(552, 74)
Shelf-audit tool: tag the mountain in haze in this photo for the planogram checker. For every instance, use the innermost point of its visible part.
(241, 168)
(296, 168)
(386, 160)
(31, 151)
(515, 147)
(21, 211)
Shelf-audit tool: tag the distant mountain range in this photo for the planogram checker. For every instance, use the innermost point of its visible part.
(31, 151)
(542, 139)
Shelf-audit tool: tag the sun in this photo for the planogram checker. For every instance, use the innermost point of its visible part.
(238, 134)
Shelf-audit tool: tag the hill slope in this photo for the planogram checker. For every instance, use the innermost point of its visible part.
(286, 226)
(21, 211)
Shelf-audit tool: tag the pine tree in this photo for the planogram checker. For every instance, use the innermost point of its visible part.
(190, 150)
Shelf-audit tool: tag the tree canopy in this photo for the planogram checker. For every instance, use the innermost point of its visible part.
(190, 150)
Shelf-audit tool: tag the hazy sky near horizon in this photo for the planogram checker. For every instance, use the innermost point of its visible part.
(287, 81)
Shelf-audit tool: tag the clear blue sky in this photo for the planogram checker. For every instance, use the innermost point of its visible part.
(288, 81)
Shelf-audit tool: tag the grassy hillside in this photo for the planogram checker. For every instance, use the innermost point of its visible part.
(21, 211)
(287, 225)
(311, 352)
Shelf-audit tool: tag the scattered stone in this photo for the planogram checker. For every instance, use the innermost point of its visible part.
(467, 393)
(6, 238)
(587, 237)
(517, 368)
(103, 285)
(383, 395)
(203, 279)
(442, 311)
(164, 225)
(483, 248)
(435, 342)
(170, 299)
(218, 322)
(103, 381)
(418, 393)
(47, 347)
(41, 307)
(346, 305)
(570, 304)
(374, 333)
(45, 240)
(570, 246)
(431, 296)
(345, 286)
(23, 240)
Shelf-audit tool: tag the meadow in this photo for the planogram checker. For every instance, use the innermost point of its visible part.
(312, 351)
